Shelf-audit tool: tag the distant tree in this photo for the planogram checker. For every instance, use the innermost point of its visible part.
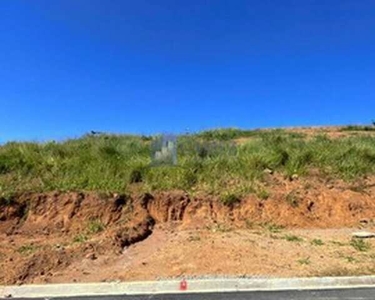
(373, 123)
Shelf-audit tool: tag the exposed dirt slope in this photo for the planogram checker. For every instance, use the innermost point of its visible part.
(44, 234)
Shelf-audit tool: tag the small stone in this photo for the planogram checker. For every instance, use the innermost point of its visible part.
(91, 256)
(294, 177)
(268, 171)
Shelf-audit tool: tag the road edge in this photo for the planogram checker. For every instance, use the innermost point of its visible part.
(189, 286)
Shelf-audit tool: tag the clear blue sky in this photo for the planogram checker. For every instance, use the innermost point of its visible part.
(71, 66)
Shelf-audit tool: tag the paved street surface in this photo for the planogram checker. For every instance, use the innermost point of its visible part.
(346, 294)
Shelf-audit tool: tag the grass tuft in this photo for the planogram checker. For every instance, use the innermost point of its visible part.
(304, 261)
(360, 245)
(317, 242)
(95, 226)
(293, 238)
(272, 228)
(27, 249)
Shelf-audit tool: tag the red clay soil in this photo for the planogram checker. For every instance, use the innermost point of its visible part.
(44, 234)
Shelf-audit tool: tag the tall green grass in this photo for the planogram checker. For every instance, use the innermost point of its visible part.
(210, 161)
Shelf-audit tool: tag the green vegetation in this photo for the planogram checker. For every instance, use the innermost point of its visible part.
(360, 245)
(229, 198)
(95, 226)
(292, 238)
(272, 228)
(209, 161)
(338, 243)
(304, 261)
(80, 238)
(27, 249)
(262, 194)
(350, 259)
(317, 242)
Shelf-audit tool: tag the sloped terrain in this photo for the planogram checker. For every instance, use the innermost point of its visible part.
(241, 203)
(48, 234)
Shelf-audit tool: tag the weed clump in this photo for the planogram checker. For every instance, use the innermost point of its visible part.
(360, 245)
(293, 238)
(317, 242)
(95, 226)
(27, 249)
(229, 198)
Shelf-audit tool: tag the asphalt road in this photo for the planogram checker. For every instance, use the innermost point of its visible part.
(346, 294)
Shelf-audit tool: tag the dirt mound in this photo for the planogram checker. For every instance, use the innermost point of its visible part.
(47, 233)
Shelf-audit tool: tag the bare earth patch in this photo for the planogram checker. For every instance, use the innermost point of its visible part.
(171, 253)
(303, 229)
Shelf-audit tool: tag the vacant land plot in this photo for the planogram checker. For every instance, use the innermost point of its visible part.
(244, 203)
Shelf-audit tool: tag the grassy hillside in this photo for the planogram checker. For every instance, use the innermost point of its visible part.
(210, 161)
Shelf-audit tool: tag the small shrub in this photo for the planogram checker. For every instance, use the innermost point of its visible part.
(80, 238)
(293, 238)
(350, 259)
(360, 245)
(317, 242)
(27, 249)
(304, 261)
(263, 194)
(95, 226)
(137, 175)
(273, 228)
(229, 198)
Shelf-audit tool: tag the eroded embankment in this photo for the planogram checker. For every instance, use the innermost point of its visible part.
(48, 232)
(68, 213)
